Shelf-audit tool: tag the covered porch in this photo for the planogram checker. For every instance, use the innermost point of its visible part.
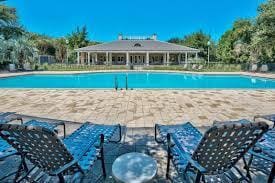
(135, 58)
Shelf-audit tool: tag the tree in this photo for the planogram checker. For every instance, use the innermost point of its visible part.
(44, 44)
(7, 14)
(199, 41)
(9, 27)
(11, 31)
(61, 50)
(79, 38)
(263, 43)
(234, 45)
(15, 46)
(175, 40)
(17, 50)
(225, 47)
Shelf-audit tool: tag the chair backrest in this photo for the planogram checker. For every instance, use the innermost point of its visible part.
(39, 145)
(224, 144)
(4, 116)
(254, 67)
(264, 68)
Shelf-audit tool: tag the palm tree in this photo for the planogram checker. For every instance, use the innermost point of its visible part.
(7, 14)
(9, 27)
(17, 51)
(24, 51)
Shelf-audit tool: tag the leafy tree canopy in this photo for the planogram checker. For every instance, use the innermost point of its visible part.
(199, 41)
(263, 43)
(7, 14)
(78, 38)
(234, 45)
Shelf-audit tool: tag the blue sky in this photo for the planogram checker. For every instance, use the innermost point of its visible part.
(105, 19)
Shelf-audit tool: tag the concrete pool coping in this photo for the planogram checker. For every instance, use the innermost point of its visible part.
(262, 75)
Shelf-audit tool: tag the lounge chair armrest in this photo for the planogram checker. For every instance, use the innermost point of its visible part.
(186, 155)
(100, 137)
(68, 165)
(63, 168)
(261, 155)
(61, 123)
(14, 119)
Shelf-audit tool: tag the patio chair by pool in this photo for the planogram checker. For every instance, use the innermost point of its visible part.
(185, 66)
(262, 156)
(254, 68)
(212, 156)
(55, 157)
(194, 66)
(6, 150)
(264, 68)
(200, 67)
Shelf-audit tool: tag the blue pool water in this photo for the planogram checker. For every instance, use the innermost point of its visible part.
(136, 80)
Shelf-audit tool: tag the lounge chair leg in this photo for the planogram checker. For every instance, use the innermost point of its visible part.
(156, 139)
(22, 168)
(61, 178)
(168, 155)
(272, 174)
(198, 177)
(120, 134)
(64, 130)
(247, 166)
(102, 155)
(21, 120)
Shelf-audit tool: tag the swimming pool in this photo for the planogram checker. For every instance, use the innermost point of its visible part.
(138, 80)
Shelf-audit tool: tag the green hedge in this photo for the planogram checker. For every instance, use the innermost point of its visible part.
(205, 68)
(64, 67)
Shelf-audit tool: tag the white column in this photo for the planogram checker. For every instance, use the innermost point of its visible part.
(186, 57)
(164, 58)
(196, 56)
(110, 59)
(78, 58)
(95, 58)
(106, 58)
(89, 58)
(179, 58)
(168, 59)
(127, 59)
(147, 58)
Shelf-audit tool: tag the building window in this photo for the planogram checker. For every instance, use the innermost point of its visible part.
(137, 45)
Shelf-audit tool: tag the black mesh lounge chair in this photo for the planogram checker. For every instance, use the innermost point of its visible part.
(56, 157)
(6, 150)
(262, 155)
(212, 156)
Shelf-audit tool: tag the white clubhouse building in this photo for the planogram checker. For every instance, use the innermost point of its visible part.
(133, 50)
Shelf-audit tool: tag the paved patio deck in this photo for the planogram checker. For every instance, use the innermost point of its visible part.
(139, 108)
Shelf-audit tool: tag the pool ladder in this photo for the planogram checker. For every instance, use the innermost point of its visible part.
(116, 83)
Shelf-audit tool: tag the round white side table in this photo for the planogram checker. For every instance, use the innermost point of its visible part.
(134, 168)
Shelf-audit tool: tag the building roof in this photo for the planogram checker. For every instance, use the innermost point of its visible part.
(137, 45)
